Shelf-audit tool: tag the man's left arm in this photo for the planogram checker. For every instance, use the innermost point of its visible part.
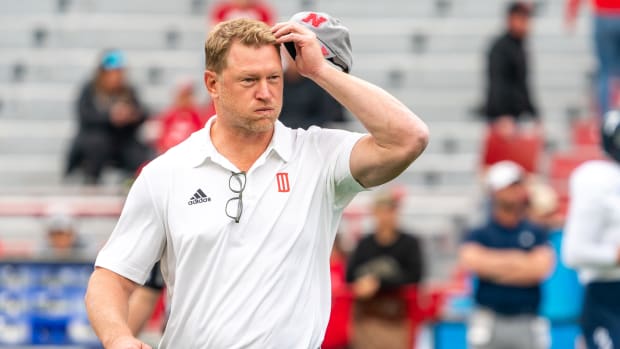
(397, 136)
(532, 269)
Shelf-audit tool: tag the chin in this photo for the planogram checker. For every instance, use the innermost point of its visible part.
(261, 125)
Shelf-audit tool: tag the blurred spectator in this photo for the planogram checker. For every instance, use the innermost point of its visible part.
(252, 9)
(543, 208)
(380, 267)
(508, 95)
(62, 239)
(510, 257)
(607, 43)
(181, 119)
(515, 131)
(305, 103)
(337, 334)
(592, 241)
(109, 117)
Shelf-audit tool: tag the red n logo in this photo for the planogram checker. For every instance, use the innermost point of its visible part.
(283, 185)
(315, 19)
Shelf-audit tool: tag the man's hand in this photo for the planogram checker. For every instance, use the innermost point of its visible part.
(127, 342)
(309, 59)
(366, 286)
(122, 114)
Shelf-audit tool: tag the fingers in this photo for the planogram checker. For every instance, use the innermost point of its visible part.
(288, 31)
(145, 346)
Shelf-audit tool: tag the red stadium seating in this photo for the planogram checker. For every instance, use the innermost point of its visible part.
(562, 165)
(524, 149)
(586, 132)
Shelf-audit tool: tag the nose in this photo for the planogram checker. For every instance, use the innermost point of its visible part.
(262, 90)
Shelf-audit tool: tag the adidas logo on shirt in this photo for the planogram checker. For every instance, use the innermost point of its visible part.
(198, 198)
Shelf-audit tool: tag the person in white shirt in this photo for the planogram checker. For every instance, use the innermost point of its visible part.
(243, 214)
(592, 239)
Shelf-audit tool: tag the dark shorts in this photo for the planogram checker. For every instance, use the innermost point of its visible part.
(600, 317)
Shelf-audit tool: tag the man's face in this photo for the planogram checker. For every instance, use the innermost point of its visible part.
(61, 239)
(519, 25)
(510, 204)
(386, 216)
(248, 92)
(113, 80)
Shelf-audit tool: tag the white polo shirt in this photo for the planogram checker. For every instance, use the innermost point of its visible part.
(592, 231)
(261, 283)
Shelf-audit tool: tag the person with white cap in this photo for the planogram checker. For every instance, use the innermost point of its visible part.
(592, 238)
(509, 257)
(243, 214)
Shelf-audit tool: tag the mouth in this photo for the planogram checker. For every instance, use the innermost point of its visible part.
(263, 110)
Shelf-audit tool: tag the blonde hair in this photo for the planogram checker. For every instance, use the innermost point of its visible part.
(247, 31)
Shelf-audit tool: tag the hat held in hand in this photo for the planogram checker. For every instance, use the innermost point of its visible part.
(332, 35)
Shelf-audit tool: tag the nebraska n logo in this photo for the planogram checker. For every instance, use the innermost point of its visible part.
(314, 19)
(198, 198)
(283, 184)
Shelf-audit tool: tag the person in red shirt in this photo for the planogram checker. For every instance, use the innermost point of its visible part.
(181, 120)
(233, 9)
(607, 46)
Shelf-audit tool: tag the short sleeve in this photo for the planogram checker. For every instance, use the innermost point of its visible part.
(473, 236)
(337, 145)
(542, 237)
(138, 239)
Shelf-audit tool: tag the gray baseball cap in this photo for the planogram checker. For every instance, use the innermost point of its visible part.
(333, 36)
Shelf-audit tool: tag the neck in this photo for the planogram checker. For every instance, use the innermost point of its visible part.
(386, 236)
(507, 220)
(241, 147)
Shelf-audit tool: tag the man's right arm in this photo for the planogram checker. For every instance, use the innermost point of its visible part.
(486, 263)
(107, 299)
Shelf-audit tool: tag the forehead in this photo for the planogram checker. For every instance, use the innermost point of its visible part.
(511, 190)
(244, 58)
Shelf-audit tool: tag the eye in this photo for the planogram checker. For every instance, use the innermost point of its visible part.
(274, 78)
(248, 81)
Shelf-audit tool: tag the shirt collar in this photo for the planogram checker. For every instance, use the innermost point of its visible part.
(281, 143)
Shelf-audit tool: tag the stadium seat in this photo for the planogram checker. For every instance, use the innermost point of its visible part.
(585, 132)
(562, 164)
(524, 148)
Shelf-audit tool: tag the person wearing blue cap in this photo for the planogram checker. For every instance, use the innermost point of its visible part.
(592, 238)
(109, 117)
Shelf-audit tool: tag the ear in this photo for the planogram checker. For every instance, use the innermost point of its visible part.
(210, 79)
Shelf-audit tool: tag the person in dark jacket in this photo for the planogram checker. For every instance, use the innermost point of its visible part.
(508, 94)
(380, 267)
(109, 117)
(305, 103)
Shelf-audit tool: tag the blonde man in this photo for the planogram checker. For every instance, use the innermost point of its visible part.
(243, 213)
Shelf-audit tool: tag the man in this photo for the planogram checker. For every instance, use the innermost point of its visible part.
(606, 30)
(380, 267)
(243, 213)
(592, 239)
(510, 258)
(508, 96)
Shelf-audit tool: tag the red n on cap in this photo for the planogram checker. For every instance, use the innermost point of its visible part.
(315, 18)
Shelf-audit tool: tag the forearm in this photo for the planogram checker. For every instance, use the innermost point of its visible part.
(484, 262)
(531, 268)
(141, 305)
(107, 305)
(389, 121)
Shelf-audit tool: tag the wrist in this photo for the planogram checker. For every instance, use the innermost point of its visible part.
(110, 341)
(322, 72)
